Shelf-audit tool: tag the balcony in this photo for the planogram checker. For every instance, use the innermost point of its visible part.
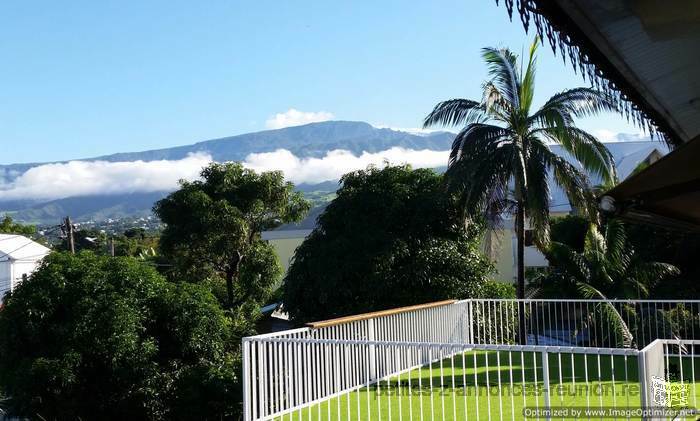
(463, 360)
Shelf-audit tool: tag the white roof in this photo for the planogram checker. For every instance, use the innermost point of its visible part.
(627, 155)
(19, 247)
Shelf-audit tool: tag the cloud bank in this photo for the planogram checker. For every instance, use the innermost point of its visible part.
(82, 178)
(294, 117)
(338, 162)
(605, 135)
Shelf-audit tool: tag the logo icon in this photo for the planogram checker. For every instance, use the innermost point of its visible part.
(668, 394)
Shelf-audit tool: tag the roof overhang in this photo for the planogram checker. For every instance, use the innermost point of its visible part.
(665, 193)
(646, 53)
(643, 51)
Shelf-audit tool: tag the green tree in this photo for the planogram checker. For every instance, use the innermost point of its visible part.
(9, 226)
(94, 337)
(136, 242)
(213, 225)
(500, 161)
(608, 267)
(390, 238)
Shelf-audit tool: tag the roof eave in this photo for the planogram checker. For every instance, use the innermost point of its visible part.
(575, 39)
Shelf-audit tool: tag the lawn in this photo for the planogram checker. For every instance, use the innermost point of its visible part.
(469, 388)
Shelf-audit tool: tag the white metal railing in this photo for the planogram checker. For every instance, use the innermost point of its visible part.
(596, 323)
(408, 362)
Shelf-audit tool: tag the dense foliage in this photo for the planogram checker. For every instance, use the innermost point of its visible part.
(678, 248)
(213, 228)
(134, 242)
(650, 243)
(498, 289)
(390, 238)
(501, 161)
(9, 226)
(570, 230)
(93, 337)
(607, 267)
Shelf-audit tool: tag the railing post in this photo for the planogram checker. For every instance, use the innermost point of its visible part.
(246, 381)
(650, 362)
(371, 336)
(470, 325)
(545, 380)
(643, 386)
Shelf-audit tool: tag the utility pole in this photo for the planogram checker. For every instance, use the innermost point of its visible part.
(111, 246)
(68, 230)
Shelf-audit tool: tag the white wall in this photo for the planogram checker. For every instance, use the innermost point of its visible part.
(5, 277)
(11, 273)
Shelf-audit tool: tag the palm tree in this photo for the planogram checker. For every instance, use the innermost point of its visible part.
(501, 160)
(607, 268)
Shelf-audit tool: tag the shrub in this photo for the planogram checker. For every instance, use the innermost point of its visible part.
(90, 337)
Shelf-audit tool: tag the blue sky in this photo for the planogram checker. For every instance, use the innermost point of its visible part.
(86, 78)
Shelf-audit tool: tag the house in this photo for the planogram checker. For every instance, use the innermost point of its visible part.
(19, 257)
(285, 243)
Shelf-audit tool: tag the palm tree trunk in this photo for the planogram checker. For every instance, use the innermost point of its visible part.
(520, 233)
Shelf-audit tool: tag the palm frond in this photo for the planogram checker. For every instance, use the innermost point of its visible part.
(527, 87)
(567, 260)
(594, 241)
(618, 251)
(591, 153)
(651, 274)
(573, 181)
(622, 334)
(576, 102)
(455, 112)
(502, 67)
(479, 170)
(537, 198)
(475, 137)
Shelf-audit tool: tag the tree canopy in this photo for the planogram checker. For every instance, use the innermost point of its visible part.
(390, 238)
(93, 337)
(213, 227)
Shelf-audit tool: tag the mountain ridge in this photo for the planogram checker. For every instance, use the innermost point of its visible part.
(309, 140)
(313, 140)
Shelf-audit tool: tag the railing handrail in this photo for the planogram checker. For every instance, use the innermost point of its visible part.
(375, 314)
(382, 313)
(584, 300)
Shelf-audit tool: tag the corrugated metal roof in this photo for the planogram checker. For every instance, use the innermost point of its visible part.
(19, 247)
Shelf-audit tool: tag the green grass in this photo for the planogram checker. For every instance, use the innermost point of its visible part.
(463, 392)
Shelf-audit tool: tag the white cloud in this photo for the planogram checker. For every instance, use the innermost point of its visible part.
(294, 117)
(338, 162)
(80, 178)
(605, 135)
(412, 130)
